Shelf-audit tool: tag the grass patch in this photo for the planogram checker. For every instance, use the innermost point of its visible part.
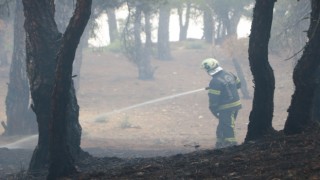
(101, 119)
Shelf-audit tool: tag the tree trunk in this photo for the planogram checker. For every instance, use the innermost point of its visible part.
(184, 27)
(208, 25)
(164, 52)
(62, 17)
(41, 46)
(148, 29)
(244, 87)
(225, 25)
(305, 79)
(260, 119)
(135, 51)
(43, 41)
(221, 32)
(3, 51)
(62, 162)
(112, 22)
(141, 56)
(315, 114)
(20, 119)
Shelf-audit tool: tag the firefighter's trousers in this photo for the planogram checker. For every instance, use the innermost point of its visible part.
(225, 130)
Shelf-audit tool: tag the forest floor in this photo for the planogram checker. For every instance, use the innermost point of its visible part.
(162, 128)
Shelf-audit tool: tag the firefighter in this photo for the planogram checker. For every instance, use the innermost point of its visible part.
(224, 101)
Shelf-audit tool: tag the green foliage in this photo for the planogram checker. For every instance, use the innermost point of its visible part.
(195, 45)
(221, 6)
(125, 123)
(189, 44)
(115, 47)
(101, 119)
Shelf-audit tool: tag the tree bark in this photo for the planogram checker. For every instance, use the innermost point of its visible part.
(315, 114)
(244, 86)
(148, 29)
(43, 42)
(208, 25)
(225, 21)
(260, 119)
(220, 32)
(184, 26)
(141, 56)
(41, 48)
(112, 22)
(62, 17)
(20, 118)
(137, 51)
(62, 162)
(305, 78)
(164, 52)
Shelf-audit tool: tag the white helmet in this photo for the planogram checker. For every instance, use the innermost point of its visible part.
(211, 66)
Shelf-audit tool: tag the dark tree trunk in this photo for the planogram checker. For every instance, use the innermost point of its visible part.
(43, 42)
(184, 27)
(208, 25)
(62, 162)
(244, 86)
(221, 32)
(62, 17)
(164, 52)
(315, 114)
(20, 119)
(41, 45)
(305, 78)
(260, 120)
(226, 25)
(112, 22)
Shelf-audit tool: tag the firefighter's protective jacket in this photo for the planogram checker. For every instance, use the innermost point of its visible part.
(223, 92)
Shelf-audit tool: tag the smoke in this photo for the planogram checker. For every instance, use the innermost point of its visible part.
(29, 142)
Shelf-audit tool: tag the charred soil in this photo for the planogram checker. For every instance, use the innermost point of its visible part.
(275, 157)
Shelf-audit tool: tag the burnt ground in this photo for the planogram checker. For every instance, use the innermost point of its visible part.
(295, 157)
(158, 140)
(276, 157)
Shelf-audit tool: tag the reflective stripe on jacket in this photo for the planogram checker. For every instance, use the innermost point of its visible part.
(223, 92)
